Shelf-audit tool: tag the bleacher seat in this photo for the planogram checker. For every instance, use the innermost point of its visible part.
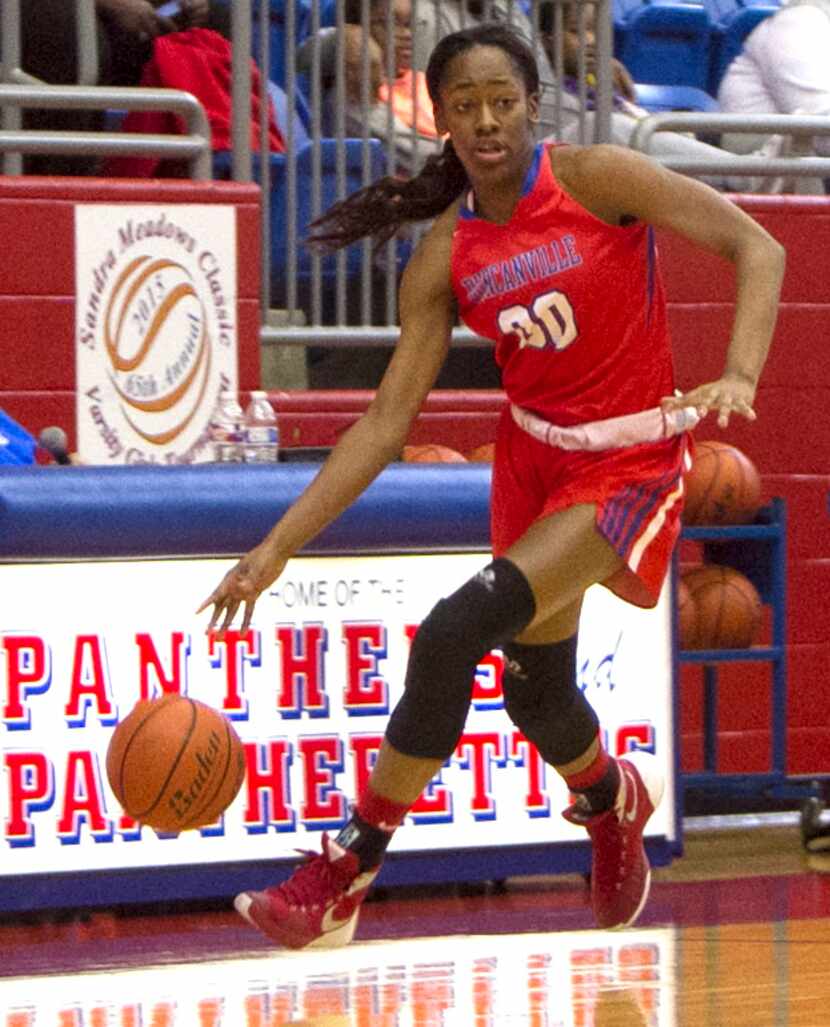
(620, 10)
(304, 212)
(721, 11)
(300, 117)
(668, 44)
(657, 98)
(303, 209)
(623, 9)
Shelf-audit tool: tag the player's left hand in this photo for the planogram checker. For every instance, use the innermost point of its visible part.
(725, 396)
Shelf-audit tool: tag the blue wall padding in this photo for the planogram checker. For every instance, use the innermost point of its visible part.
(211, 510)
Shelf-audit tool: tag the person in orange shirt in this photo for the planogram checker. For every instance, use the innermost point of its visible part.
(379, 81)
(391, 32)
(388, 99)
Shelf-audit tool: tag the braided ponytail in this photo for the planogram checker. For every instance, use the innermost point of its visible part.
(381, 208)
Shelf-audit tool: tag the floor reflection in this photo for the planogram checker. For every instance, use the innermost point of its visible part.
(727, 975)
(584, 979)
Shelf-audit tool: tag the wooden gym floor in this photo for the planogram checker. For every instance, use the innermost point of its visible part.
(736, 934)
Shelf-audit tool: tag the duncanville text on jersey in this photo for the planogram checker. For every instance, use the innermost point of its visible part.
(531, 266)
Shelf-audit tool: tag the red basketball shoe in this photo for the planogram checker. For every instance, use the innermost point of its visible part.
(317, 906)
(620, 871)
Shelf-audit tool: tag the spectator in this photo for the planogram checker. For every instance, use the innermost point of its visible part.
(624, 89)
(413, 128)
(784, 68)
(415, 134)
(197, 61)
(465, 367)
(626, 113)
(132, 25)
(124, 34)
(363, 367)
(435, 18)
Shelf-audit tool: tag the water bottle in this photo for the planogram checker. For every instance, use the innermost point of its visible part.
(261, 434)
(226, 429)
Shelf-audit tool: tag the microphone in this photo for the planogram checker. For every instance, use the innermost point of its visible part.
(54, 441)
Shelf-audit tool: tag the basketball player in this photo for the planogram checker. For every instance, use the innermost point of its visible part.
(548, 250)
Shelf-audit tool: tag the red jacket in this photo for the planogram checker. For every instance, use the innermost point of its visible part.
(197, 61)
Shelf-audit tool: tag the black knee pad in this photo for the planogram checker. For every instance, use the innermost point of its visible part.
(485, 612)
(543, 700)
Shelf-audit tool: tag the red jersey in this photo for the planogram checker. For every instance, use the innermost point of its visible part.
(575, 306)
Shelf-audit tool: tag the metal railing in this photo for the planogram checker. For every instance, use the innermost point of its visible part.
(320, 300)
(194, 147)
(336, 142)
(798, 130)
(348, 300)
(11, 72)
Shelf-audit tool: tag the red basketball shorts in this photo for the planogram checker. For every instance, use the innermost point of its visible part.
(638, 492)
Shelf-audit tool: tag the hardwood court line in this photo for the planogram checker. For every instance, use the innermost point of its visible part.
(754, 974)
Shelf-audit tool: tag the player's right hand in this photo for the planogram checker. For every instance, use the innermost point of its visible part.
(728, 395)
(242, 584)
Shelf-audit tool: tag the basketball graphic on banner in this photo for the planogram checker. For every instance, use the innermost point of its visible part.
(158, 346)
(156, 328)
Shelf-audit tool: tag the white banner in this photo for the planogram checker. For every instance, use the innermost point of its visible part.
(156, 328)
(309, 690)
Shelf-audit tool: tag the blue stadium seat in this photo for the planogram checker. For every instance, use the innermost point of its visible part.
(624, 9)
(657, 98)
(720, 11)
(728, 39)
(276, 32)
(668, 44)
(621, 12)
(223, 159)
(304, 214)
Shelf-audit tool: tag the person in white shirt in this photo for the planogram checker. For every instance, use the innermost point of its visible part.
(784, 68)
